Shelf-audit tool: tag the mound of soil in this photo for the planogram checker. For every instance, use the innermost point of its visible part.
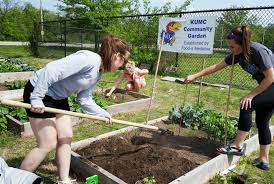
(3, 87)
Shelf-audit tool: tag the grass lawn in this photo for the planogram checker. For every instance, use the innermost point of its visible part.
(254, 175)
(24, 54)
(13, 148)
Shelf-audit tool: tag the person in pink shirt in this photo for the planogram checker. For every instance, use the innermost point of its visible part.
(135, 77)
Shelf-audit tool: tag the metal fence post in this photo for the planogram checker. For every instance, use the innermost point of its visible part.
(96, 42)
(177, 54)
(65, 37)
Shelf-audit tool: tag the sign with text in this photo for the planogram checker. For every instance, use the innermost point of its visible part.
(187, 35)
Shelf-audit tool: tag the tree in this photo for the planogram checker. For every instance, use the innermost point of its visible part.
(268, 36)
(93, 8)
(17, 21)
(229, 20)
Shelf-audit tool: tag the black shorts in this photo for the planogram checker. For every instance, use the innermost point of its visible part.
(48, 102)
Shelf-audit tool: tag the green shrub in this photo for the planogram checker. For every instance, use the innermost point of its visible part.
(143, 55)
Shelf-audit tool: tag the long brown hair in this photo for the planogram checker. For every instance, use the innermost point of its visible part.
(110, 46)
(242, 36)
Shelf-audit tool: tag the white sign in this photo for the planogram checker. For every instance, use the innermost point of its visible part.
(187, 35)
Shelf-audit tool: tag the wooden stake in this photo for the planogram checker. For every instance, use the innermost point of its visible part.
(185, 94)
(200, 87)
(155, 77)
(228, 98)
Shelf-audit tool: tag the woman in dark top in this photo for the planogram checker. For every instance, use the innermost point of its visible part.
(257, 60)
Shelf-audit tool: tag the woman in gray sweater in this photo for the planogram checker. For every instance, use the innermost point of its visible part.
(51, 86)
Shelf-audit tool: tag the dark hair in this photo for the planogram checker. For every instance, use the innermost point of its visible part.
(110, 46)
(242, 36)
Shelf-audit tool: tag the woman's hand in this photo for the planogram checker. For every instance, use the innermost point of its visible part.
(37, 108)
(189, 79)
(246, 101)
(109, 119)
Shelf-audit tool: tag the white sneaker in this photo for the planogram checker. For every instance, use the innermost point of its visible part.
(66, 182)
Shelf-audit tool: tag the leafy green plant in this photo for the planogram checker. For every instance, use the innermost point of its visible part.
(8, 67)
(17, 84)
(73, 104)
(149, 180)
(16, 112)
(4, 110)
(215, 123)
(14, 65)
(102, 102)
(212, 122)
(187, 116)
(102, 85)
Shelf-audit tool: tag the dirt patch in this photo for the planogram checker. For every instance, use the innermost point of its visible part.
(118, 98)
(121, 98)
(140, 154)
(3, 87)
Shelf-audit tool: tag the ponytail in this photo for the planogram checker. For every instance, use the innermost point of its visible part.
(242, 36)
(110, 46)
(246, 43)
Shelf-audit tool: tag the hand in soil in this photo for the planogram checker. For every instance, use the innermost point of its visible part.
(107, 95)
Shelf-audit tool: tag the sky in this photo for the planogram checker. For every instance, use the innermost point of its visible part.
(195, 5)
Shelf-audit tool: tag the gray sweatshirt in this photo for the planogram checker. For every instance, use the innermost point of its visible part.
(77, 73)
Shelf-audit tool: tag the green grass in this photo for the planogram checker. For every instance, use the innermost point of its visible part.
(15, 51)
(24, 54)
(13, 148)
(254, 175)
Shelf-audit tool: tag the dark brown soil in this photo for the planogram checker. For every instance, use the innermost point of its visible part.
(117, 98)
(239, 179)
(140, 154)
(122, 98)
(3, 87)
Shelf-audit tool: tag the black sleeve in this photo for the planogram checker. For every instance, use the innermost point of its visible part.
(228, 59)
(264, 59)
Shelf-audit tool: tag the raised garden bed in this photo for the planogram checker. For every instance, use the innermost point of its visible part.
(3, 87)
(127, 102)
(136, 155)
(12, 85)
(24, 129)
(130, 155)
(11, 76)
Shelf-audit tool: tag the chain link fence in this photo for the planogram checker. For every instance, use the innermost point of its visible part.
(60, 38)
(141, 32)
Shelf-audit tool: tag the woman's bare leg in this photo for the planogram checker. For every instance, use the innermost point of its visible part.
(63, 151)
(46, 136)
